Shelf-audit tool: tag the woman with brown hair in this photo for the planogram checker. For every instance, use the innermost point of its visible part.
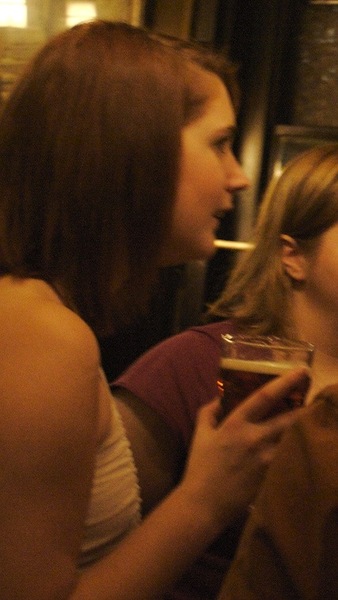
(115, 160)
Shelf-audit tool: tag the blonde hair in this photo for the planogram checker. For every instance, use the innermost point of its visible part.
(301, 203)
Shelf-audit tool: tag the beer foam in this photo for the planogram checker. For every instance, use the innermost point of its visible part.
(259, 366)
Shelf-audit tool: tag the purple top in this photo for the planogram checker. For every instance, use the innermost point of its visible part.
(179, 375)
(175, 378)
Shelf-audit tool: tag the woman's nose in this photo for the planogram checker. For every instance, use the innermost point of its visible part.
(236, 179)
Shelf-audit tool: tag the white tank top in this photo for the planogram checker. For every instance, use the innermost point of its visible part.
(115, 504)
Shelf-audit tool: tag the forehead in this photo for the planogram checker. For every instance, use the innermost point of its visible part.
(217, 109)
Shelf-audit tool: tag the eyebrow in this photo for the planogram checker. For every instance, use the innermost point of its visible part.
(229, 131)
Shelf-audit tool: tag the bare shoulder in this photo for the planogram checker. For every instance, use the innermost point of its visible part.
(32, 317)
(49, 390)
(50, 358)
(31, 308)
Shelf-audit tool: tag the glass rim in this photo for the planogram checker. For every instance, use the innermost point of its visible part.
(268, 341)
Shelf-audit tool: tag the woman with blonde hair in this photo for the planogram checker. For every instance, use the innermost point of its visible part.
(286, 285)
(289, 548)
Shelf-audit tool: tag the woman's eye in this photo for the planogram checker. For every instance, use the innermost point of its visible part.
(223, 144)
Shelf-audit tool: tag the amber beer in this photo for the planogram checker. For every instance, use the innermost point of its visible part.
(240, 378)
(248, 363)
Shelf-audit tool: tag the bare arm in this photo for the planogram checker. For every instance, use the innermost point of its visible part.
(224, 470)
(49, 425)
(48, 431)
(159, 456)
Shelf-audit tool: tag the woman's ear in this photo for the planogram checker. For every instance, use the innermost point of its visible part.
(293, 259)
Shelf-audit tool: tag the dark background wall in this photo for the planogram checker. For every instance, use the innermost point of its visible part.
(315, 97)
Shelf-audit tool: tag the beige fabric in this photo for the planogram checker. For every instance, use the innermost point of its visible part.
(115, 499)
(289, 548)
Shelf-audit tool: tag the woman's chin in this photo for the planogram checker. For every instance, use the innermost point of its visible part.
(182, 255)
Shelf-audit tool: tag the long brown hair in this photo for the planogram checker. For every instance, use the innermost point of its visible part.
(203, 55)
(89, 162)
(301, 203)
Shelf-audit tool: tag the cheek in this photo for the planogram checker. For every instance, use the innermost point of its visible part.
(202, 170)
(191, 189)
(323, 278)
(192, 173)
(194, 229)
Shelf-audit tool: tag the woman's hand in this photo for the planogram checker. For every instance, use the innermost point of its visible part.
(228, 458)
(225, 467)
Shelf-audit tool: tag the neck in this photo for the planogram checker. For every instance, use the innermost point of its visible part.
(321, 329)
